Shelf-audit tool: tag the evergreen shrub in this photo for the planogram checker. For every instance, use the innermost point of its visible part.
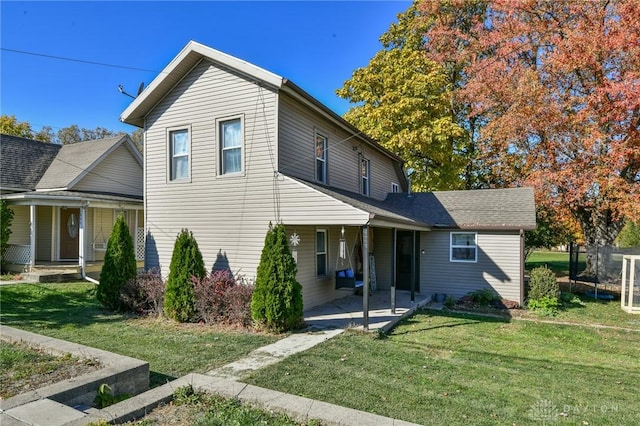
(119, 265)
(186, 264)
(277, 297)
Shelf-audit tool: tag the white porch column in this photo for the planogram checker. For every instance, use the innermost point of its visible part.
(81, 239)
(394, 239)
(32, 236)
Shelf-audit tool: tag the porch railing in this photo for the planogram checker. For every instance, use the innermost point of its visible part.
(140, 244)
(19, 254)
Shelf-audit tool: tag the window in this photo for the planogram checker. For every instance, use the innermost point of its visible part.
(179, 154)
(464, 247)
(230, 132)
(364, 176)
(321, 158)
(321, 252)
(395, 187)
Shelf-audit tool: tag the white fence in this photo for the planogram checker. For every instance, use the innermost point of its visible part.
(630, 295)
(19, 254)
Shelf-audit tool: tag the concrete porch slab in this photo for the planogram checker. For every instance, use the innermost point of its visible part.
(347, 312)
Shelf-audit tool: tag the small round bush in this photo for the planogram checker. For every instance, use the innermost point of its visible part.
(543, 283)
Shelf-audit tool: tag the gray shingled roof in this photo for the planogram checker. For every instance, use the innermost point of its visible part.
(510, 208)
(23, 161)
(75, 160)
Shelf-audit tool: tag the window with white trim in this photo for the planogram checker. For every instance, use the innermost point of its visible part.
(231, 146)
(395, 187)
(321, 252)
(179, 152)
(321, 158)
(463, 247)
(364, 176)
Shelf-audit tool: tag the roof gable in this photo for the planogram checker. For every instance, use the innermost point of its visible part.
(24, 162)
(74, 161)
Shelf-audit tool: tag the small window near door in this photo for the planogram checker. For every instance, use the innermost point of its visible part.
(321, 252)
(395, 188)
(464, 247)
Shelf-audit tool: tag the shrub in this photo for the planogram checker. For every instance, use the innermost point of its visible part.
(546, 305)
(483, 296)
(119, 265)
(238, 309)
(6, 217)
(144, 293)
(210, 293)
(186, 263)
(277, 297)
(543, 283)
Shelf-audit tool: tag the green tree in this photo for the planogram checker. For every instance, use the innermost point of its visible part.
(550, 232)
(277, 297)
(119, 265)
(6, 217)
(630, 235)
(186, 263)
(9, 125)
(404, 100)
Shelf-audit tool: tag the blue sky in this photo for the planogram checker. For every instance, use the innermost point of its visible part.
(317, 45)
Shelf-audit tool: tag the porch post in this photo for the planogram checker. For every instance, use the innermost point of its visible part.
(365, 277)
(393, 270)
(81, 238)
(413, 266)
(32, 236)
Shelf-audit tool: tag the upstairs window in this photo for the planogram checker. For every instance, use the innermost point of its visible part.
(231, 142)
(364, 176)
(464, 247)
(321, 158)
(179, 154)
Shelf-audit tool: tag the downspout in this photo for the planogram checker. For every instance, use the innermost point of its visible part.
(32, 236)
(81, 249)
(522, 289)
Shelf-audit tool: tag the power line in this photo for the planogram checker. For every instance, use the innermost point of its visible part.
(82, 61)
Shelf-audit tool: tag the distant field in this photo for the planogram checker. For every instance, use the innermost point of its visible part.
(557, 261)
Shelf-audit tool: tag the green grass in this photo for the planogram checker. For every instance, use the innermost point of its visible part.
(442, 368)
(70, 311)
(557, 261)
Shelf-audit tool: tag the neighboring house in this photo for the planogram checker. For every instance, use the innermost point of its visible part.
(230, 147)
(66, 198)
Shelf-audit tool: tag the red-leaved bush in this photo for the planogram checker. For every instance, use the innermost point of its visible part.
(222, 298)
(144, 294)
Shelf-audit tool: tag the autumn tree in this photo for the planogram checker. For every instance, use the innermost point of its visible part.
(555, 84)
(403, 100)
(74, 134)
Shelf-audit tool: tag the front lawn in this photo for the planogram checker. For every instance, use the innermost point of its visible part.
(70, 311)
(441, 368)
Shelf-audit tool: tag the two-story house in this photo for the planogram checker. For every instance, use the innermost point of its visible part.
(230, 147)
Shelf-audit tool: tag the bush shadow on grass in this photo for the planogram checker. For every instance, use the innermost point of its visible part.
(42, 305)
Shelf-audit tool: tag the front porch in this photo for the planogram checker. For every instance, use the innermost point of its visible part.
(54, 272)
(347, 311)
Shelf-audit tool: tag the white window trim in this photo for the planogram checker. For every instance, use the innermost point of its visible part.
(324, 158)
(451, 247)
(169, 151)
(395, 188)
(219, 121)
(326, 254)
(365, 187)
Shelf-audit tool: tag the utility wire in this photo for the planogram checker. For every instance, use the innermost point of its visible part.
(82, 61)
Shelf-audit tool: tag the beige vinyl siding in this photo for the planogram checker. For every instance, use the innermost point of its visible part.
(227, 214)
(497, 268)
(44, 229)
(382, 245)
(119, 173)
(20, 225)
(102, 225)
(297, 128)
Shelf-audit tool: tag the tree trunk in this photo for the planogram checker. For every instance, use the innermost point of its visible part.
(599, 231)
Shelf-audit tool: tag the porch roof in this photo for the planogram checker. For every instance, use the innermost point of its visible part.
(74, 199)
